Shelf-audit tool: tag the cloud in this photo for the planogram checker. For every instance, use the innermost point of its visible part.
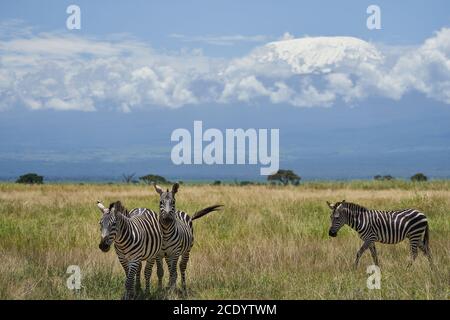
(221, 40)
(65, 72)
(61, 71)
(426, 70)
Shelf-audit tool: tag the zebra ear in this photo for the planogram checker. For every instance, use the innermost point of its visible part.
(158, 188)
(330, 205)
(101, 207)
(175, 188)
(342, 201)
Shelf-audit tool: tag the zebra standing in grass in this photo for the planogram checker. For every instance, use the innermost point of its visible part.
(382, 226)
(137, 237)
(178, 235)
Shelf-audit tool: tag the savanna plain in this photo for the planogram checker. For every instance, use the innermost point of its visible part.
(269, 242)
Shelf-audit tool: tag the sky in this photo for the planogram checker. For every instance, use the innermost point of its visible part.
(350, 102)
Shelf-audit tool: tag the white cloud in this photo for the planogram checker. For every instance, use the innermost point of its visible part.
(426, 69)
(287, 36)
(65, 72)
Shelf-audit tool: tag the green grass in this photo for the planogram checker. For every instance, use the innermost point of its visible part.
(270, 242)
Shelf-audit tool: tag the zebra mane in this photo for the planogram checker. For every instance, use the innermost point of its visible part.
(119, 207)
(353, 206)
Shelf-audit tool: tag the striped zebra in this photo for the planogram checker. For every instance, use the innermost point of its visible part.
(178, 235)
(382, 226)
(137, 237)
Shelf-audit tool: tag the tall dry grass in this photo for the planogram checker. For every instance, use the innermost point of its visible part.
(268, 243)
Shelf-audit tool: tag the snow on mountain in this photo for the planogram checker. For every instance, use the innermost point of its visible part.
(318, 54)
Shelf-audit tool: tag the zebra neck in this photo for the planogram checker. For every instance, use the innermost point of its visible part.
(168, 229)
(123, 227)
(356, 220)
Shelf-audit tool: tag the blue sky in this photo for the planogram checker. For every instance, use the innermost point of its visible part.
(349, 102)
(403, 22)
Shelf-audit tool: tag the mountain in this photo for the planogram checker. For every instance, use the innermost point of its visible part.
(318, 54)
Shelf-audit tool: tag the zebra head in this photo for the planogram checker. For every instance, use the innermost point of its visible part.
(108, 225)
(167, 203)
(338, 217)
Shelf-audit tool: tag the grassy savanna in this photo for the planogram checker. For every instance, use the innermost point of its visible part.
(270, 242)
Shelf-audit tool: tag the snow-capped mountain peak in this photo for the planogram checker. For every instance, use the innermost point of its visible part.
(318, 54)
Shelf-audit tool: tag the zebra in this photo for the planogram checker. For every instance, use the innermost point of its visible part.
(388, 227)
(178, 235)
(137, 237)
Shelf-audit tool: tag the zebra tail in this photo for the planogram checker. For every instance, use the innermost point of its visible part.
(206, 210)
(426, 237)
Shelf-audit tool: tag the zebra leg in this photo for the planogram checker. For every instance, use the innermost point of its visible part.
(360, 252)
(413, 244)
(137, 286)
(427, 252)
(147, 274)
(172, 265)
(183, 265)
(131, 276)
(373, 251)
(124, 264)
(159, 271)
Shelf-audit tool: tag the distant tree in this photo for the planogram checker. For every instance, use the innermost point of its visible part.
(30, 178)
(217, 183)
(128, 178)
(419, 177)
(246, 183)
(153, 178)
(383, 178)
(285, 177)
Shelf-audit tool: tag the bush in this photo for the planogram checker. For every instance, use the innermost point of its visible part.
(153, 178)
(285, 177)
(383, 178)
(31, 178)
(418, 177)
(246, 183)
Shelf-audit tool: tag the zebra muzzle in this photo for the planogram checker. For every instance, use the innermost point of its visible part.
(332, 233)
(166, 219)
(104, 246)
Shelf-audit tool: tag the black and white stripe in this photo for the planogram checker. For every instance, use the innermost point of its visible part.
(178, 235)
(382, 226)
(137, 237)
